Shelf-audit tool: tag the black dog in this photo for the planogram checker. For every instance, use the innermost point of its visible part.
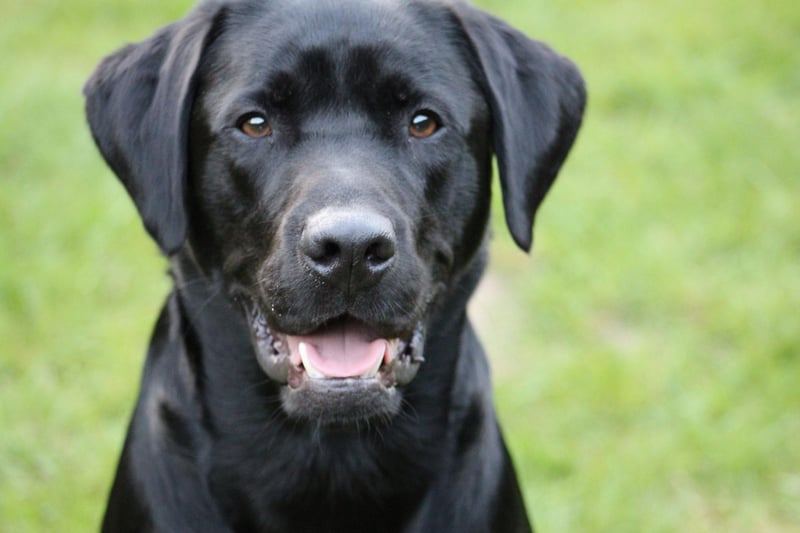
(318, 173)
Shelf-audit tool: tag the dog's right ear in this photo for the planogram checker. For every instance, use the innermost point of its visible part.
(138, 104)
(537, 98)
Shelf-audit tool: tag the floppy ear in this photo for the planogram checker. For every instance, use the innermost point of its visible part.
(537, 99)
(138, 103)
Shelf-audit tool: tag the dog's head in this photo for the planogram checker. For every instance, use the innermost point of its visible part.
(331, 162)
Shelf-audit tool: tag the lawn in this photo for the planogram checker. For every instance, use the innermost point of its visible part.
(646, 354)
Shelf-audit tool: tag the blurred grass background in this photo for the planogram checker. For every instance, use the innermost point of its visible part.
(646, 355)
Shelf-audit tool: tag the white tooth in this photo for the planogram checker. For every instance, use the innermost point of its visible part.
(391, 352)
(374, 370)
(310, 370)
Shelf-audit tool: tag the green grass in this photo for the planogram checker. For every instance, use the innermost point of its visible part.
(646, 355)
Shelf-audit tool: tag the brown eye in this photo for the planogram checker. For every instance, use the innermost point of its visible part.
(255, 125)
(423, 125)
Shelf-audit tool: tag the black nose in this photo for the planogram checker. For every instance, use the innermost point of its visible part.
(351, 249)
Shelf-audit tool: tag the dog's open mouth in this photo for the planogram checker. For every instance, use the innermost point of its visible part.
(341, 349)
(341, 372)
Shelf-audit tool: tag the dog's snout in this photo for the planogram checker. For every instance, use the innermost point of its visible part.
(351, 249)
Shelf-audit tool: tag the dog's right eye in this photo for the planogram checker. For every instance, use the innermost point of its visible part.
(255, 125)
(423, 125)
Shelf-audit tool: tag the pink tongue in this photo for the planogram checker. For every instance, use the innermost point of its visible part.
(340, 351)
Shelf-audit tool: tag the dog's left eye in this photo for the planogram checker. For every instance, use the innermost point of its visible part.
(255, 125)
(423, 125)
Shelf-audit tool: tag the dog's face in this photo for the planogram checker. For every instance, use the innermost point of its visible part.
(342, 184)
(330, 161)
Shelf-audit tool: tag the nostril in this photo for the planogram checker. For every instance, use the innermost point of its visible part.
(380, 252)
(330, 252)
(321, 251)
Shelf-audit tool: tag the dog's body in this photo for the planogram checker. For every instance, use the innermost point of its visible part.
(319, 175)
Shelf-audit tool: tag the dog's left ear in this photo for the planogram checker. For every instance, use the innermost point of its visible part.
(537, 99)
(138, 103)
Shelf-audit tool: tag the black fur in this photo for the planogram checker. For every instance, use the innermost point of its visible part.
(216, 445)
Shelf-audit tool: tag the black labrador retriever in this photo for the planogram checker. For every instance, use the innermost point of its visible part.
(318, 173)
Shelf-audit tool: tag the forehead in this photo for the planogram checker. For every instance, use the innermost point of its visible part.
(332, 46)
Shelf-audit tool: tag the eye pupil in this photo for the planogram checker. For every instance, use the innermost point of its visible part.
(255, 126)
(423, 125)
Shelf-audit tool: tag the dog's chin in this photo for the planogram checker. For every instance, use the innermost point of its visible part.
(342, 373)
